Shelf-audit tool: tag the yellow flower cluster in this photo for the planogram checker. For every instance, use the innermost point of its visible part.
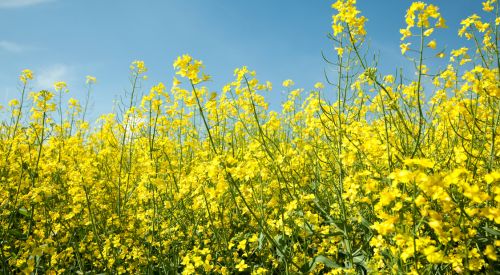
(189, 68)
(389, 176)
(26, 75)
(423, 13)
(348, 18)
(60, 86)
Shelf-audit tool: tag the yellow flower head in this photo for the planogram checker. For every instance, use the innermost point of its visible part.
(73, 103)
(429, 32)
(348, 14)
(60, 85)
(26, 75)
(389, 78)
(405, 33)
(487, 5)
(432, 44)
(288, 83)
(241, 266)
(404, 47)
(138, 67)
(13, 103)
(319, 86)
(90, 79)
(441, 23)
(339, 50)
(190, 68)
(421, 13)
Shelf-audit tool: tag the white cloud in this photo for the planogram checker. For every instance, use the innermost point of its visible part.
(46, 78)
(21, 3)
(13, 47)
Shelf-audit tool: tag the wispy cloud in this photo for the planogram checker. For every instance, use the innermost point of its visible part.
(21, 3)
(46, 78)
(13, 47)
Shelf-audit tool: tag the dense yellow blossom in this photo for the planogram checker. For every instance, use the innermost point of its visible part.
(397, 174)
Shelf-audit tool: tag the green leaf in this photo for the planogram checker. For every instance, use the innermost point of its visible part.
(491, 231)
(262, 240)
(326, 261)
(16, 233)
(359, 259)
(282, 247)
(308, 267)
(23, 211)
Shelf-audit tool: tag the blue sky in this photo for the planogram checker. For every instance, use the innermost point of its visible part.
(69, 39)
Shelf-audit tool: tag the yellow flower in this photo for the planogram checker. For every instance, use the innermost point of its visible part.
(241, 266)
(490, 252)
(487, 5)
(190, 68)
(242, 245)
(319, 86)
(288, 83)
(492, 177)
(389, 78)
(428, 32)
(433, 255)
(90, 80)
(73, 102)
(60, 85)
(269, 86)
(441, 23)
(460, 52)
(404, 47)
(339, 50)
(348, 14)
(138, 67)
(385, 227)
(14, 102)
(337, 28)
(26, 75)
(432, 44)
(405, 32)
(259, 271)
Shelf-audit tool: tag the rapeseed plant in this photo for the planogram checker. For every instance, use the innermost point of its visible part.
(391, 176)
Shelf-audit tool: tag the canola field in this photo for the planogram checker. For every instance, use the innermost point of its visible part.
(397, 174)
